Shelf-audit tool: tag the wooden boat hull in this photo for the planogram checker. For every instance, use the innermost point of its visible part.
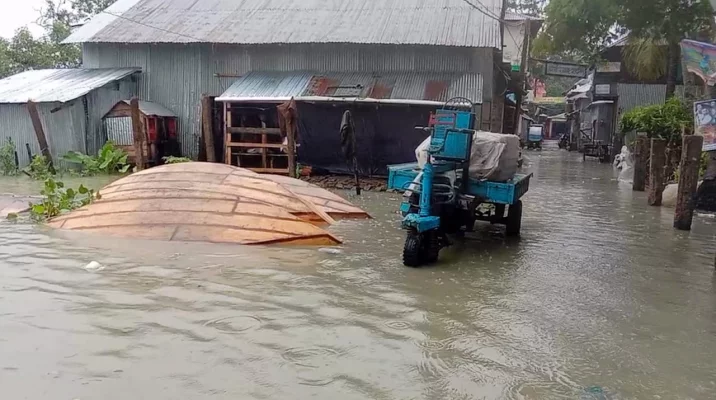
(208, 203)
(333, 204)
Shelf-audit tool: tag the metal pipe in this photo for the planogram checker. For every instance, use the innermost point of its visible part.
(426, 194)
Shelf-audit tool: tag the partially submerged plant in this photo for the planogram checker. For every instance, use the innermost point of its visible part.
(57, 200)
(39, 168)
(7, 158)
(109, 160)
(175, 160)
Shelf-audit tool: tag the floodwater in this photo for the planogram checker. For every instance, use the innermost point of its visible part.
(601, 299)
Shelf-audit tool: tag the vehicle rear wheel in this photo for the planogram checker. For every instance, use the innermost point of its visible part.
(514, 219)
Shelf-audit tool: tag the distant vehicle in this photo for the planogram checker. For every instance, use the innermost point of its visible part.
(535, 136)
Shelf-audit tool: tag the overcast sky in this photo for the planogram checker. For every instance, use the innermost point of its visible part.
(18, 13)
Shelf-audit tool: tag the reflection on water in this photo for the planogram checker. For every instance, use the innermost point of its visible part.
(600, 292)
(24, 186)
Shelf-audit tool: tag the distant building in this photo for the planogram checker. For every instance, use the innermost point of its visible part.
(608, 92)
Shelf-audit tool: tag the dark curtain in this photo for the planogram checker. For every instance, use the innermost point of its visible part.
(385, 134)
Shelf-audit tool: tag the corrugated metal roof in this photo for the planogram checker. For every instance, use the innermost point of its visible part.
(57, 85)
(410, 86)
(153, 109)
(427, 22)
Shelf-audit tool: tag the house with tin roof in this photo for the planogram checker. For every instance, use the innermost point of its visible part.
(402, 57)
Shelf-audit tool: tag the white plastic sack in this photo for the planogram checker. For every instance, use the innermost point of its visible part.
(668, 196)
(494, 156)
(624, 164)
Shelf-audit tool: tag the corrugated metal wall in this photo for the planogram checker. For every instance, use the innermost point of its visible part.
(634, 95)
(119, 130)
(99, 102)
(64, 128)
(177, 75)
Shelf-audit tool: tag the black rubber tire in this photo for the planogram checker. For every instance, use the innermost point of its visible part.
(413, 250)
(431, 241)
(514, 219)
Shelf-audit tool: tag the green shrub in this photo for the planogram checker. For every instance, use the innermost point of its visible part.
(665, 121)
(39, 168)
(109, 160)
(7, 158)
(57, 200)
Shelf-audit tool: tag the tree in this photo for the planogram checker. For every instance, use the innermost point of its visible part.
(584, 27)
(666, 21)
(528, 7)
(578, 29)
(25, 52)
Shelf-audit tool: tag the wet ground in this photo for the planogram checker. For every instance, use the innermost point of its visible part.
(600, 293)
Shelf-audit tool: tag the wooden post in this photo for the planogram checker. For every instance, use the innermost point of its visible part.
(40, 133)
(227, 134)
(207, 116)
(688, 181)
(657, 162)
(138, 130)
(641, 155)
(291, 151)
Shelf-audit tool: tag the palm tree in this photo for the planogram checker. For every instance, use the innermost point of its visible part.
(651, 59)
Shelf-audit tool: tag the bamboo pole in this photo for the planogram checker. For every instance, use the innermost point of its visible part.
(657, 162)
(138, 130)
(688, 181)
(40, 133)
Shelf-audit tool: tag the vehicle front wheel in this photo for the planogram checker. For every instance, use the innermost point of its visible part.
(413, 250)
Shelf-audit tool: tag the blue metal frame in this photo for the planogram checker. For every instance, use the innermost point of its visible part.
(401, 176)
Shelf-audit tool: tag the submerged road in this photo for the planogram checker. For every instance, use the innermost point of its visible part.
(601, 298)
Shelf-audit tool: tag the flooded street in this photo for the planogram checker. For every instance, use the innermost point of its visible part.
(600, 293)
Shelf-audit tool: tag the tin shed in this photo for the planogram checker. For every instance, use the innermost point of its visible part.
(160, 125)
(70, 103)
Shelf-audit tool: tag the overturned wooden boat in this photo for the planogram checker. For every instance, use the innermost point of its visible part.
(214, 203)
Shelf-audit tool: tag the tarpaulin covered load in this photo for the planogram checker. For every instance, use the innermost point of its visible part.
(494, 156)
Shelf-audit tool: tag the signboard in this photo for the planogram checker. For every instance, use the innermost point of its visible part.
(602, 89)
(700, 59)
(705, 122)
(610, 66)
(561, 69)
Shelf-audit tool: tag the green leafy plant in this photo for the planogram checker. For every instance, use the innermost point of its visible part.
(39, 168)
(176, 160)
(665, 121)
(110, 159)
(7, 158)
(58, 200)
